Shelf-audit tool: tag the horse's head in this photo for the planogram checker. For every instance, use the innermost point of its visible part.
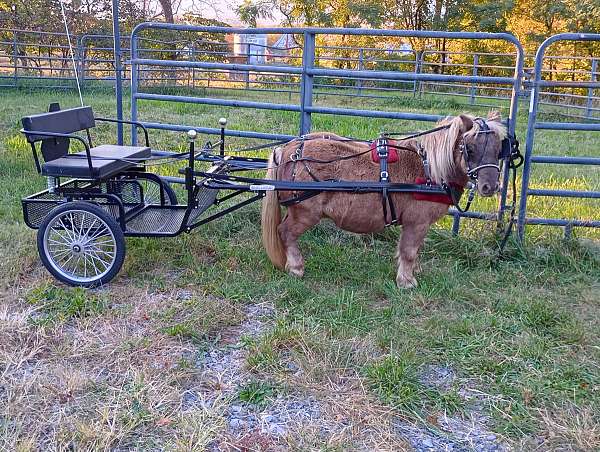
(480, 145)
(467, 148)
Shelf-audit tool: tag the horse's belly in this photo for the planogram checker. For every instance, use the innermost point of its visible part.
(355, 213)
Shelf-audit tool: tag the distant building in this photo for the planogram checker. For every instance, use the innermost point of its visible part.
(404, 49)
(282, 46)
(251, 46)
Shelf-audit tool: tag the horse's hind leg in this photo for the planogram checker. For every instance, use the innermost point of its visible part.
(297, 221)
(408, 249)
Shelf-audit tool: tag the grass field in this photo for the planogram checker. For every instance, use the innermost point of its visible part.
(509, 346)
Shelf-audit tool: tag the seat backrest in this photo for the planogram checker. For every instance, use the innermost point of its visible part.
(61, 121)
(57, 121)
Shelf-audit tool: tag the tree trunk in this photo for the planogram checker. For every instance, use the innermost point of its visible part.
(167, 8)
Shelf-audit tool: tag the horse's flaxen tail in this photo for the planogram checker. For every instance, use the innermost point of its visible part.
(270, 219)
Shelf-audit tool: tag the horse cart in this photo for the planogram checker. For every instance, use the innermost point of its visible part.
(98, 196)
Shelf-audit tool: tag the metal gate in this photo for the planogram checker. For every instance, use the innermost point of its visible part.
(308, 71)
(531, 158)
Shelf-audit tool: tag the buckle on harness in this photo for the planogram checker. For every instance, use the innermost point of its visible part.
(382, 148)
(423, 154)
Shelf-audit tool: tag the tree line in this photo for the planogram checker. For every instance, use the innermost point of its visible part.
(531, 21)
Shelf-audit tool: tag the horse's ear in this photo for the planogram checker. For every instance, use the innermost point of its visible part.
(467, 123)
(494, 115)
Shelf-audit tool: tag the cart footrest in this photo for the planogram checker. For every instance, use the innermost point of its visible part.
(156, 220)
(205, 197)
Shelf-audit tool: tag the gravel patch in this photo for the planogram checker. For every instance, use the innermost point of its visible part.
(223, 374)
(274, 419)
(439, 377)
(452, 433)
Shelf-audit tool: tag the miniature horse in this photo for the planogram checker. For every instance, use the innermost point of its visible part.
(466, 143)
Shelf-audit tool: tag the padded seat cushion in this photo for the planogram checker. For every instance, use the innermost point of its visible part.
(76, 165)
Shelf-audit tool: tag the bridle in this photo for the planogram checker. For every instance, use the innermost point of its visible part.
(473, 173)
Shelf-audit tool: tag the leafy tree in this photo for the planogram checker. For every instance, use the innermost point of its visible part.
(249, 12)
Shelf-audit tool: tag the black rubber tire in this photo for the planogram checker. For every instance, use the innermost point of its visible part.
(170, 195)
(115, 229)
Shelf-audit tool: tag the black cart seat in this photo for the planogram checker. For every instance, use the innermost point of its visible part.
(103, 165)
(57, 129)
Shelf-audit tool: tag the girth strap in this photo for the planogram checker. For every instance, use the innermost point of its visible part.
(384, 176)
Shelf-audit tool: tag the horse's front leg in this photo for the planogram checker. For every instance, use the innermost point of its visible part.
(409, 245)
(297, 221)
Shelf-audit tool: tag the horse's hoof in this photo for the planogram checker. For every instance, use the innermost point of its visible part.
(297, 272)
(405, 283)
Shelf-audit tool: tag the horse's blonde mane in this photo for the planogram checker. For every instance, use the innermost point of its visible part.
(441, 145)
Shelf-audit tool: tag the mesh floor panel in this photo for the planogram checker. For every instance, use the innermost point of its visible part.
(206, 197)
(157, 220)
(38, 206)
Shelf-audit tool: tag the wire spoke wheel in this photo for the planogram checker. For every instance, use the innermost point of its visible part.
(80, 244)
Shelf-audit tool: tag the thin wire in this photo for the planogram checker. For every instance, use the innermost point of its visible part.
(62, 8)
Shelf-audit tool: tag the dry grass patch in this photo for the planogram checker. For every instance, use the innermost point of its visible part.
(326, 370)
(106, 369)
(571, 428)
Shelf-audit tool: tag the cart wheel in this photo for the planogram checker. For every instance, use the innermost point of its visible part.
(81, 244)
(151, 190)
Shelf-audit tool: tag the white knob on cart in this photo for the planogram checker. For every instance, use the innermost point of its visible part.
(192, 134)
(223, 122)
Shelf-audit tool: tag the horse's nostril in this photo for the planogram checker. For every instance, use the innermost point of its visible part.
(485, 188)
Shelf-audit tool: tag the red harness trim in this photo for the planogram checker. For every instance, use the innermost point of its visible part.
(392, 152)
(442, 199)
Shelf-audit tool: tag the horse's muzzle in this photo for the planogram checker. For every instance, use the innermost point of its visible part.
(488, 189)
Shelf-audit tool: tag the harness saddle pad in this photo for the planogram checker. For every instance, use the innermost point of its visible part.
(442, 199)
(392, 152)
(76, 165)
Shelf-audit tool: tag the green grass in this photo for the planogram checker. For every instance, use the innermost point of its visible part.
(57, 304)
(257, 393)
(523, 331)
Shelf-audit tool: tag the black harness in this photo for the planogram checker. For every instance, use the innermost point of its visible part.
(383, 153)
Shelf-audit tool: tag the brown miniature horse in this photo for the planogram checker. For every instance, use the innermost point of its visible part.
(467, 143)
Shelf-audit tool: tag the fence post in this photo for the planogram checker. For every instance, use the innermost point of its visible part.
(361, 66)
(118, 69)
(473, 84)
(306, 87)
(529, 140)
(135, 73)
(248, 53)
(590, 93)
(193, 58)
(418, 68)
(139, 70)
(511, 125)
(15, 58)
(456, 224)
(81, 60)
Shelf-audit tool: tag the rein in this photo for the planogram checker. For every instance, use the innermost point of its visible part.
(515, 160)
